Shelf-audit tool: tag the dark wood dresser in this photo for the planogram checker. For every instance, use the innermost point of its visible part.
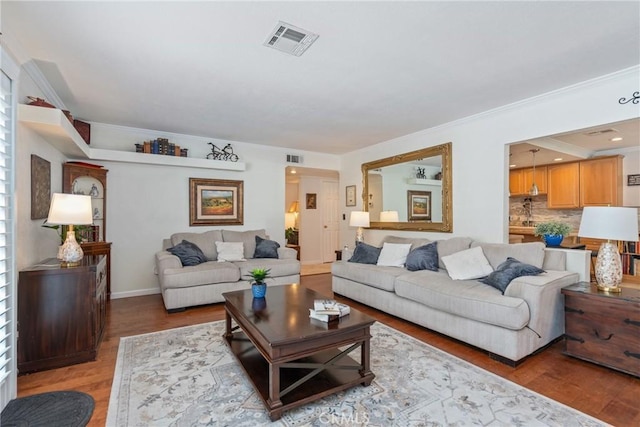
(61, 313)
(603, 327)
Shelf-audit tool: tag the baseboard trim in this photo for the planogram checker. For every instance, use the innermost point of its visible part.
(136, 293)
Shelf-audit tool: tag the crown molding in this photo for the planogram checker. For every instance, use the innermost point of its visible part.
(33, 71)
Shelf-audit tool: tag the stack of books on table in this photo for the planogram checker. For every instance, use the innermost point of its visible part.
(328, 310)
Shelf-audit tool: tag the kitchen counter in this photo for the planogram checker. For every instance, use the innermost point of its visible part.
(513, 229)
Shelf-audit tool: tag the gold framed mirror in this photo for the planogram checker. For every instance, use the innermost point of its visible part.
(414, 187)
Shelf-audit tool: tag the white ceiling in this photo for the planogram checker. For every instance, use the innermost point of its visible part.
(379, 70)
(579, 144)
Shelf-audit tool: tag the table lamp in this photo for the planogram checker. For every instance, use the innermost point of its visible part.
(359, 219)
(389, 216)
(70, 209)
(610, 223)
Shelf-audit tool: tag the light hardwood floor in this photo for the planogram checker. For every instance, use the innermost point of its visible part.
(603, 393)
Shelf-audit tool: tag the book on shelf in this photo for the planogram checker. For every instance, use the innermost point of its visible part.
(328, 310)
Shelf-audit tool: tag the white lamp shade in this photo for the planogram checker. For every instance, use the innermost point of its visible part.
(289, 220)
(359, 219)
(70, 209)
(610, 223)
(389, 216)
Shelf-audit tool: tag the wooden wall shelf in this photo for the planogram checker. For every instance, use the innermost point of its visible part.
(52, 124)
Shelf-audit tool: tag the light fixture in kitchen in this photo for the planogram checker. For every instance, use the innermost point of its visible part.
(533, 191)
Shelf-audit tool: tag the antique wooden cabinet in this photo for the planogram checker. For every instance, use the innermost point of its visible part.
(83, 178)
(61, 313)
(603, 327)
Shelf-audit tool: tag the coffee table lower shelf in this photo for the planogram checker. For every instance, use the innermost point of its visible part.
(345, 374)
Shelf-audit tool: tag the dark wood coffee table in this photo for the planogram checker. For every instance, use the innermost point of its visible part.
(291, 359)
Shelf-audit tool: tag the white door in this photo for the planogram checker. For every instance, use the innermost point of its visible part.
(330, 221)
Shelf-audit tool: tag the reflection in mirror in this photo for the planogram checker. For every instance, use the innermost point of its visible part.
(415, 185)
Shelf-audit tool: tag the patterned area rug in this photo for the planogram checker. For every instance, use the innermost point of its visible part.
(188, 377)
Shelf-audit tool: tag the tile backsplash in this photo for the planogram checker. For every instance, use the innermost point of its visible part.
(540, 213)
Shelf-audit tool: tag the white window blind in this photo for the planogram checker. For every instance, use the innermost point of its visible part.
(7, 350)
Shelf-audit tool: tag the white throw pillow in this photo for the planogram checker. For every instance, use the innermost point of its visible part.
(394, 254)
(230, 251)
(468, 264)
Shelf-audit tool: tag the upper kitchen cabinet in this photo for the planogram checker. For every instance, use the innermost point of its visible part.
(563, 186)
(520, 180)
(601, 182)
(593, 182)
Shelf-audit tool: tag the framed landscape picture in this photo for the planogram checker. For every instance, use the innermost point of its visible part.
(215, 202)
(419, 205)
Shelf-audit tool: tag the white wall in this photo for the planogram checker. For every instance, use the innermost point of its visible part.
(631, 166)
(34, 242)
(146, 203)
(479, 152)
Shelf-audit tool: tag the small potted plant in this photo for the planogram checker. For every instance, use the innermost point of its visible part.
(259, 287)
(552, 232)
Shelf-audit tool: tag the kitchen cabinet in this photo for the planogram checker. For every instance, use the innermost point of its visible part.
(593, 182)
(520, 180)
(563, 186)
(601, 182)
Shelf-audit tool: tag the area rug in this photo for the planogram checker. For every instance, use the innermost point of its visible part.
(188, 377)
(52, 409)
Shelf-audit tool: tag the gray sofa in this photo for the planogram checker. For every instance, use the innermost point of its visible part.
(185, 286)
(510, 326)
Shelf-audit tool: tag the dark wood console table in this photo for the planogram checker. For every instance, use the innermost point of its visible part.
(61, 313)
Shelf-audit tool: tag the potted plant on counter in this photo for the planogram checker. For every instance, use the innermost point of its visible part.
(552, 232)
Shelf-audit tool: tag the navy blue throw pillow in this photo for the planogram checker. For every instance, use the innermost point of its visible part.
(365, 254)
(509, 270)
(189, 253)
(266, 248)
(423, 258)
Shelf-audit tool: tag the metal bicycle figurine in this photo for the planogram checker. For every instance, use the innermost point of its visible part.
(222, 154)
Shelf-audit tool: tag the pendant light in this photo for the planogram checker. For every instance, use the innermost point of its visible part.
(533, 191)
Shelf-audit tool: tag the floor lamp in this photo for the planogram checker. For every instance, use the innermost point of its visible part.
(610, 223)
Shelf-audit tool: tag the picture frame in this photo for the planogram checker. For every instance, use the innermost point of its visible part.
(419, 205)
(350, 195)
(216, 202)
(40, 187)
(311, 201)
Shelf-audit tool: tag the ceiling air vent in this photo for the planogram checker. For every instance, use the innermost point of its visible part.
(290, 39)
(293, 158)
(601, 132)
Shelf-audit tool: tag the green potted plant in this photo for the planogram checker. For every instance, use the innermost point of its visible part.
(291, 234)
(259, 287)
(552, 232)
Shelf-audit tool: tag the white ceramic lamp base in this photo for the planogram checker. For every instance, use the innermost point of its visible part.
(70, 252)
(608, 268)
(359, 235)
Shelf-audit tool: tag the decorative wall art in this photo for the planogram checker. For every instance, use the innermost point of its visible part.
(419, 205)
(351, 195)
(215, 202)
(311, 201)
(40, 187)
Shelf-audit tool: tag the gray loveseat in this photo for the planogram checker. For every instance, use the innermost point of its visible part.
(511, 326)
(185, 286)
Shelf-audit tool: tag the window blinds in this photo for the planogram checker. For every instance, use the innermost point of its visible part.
(7, 350)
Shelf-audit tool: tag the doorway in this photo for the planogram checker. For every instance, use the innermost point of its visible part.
(315, 194)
